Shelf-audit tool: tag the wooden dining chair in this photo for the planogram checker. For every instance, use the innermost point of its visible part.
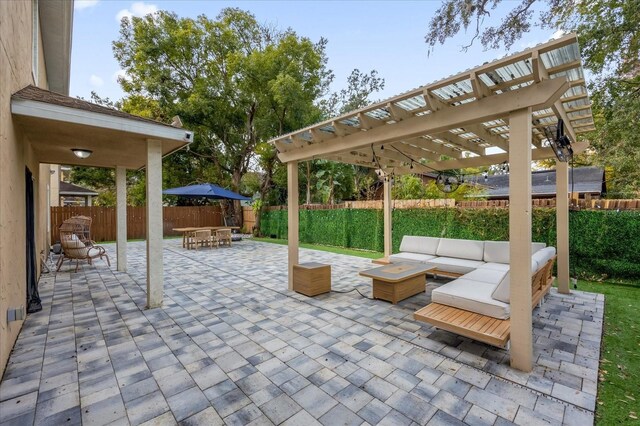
(202, 238)
(224, 237)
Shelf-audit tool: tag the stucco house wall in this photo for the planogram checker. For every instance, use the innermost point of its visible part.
(16, 36)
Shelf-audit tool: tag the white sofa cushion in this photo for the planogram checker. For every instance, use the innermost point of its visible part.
(491, 276)
(538, 260)
(537, 247)
(474, 296)
(454, 265)
(423, 245)
(498, 251)
(495, 266)
(462, 249)
(543, 256)
(502, 291)
(409, 257)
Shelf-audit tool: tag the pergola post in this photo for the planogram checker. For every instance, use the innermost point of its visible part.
(387, 218)
(293, 218)
(562, 225)
(520, 238)
(121, 218)
(155, 274)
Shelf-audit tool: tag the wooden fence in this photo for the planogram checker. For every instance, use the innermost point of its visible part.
(103, 226)
(579, 204)
(248, 218)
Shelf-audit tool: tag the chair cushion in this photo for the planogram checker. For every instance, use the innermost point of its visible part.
(498, 251)
(462, 249)
(423, 245)
(474, 296)
(454, 265)
(491, 276)
(409, 257)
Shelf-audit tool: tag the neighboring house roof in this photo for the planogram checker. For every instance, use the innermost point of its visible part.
(71, 189)
(33, 93)
(543, 182)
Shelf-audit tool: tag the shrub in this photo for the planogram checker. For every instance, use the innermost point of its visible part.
(603, 244)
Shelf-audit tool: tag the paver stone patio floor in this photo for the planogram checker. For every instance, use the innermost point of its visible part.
(231, 345)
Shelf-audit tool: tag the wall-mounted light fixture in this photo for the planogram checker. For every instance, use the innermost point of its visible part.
(82, 153)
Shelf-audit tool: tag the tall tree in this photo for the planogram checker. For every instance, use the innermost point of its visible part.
(609, 35)
(234, 81)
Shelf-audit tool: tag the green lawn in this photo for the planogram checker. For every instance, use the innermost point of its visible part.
(339, 250)
(619, 386)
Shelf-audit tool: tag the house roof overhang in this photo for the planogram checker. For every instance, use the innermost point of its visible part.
(458, 122)
(56, 124)
(56, 25)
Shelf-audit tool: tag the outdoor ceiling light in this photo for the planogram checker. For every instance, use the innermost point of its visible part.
(82, 153)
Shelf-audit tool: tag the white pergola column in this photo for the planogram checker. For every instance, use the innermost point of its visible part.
(562, 225)
(155, 274)
(387, 218)
(293, 218)
(520, 238)
(121, 218)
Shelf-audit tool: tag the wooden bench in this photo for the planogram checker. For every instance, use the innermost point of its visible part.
(493, 331)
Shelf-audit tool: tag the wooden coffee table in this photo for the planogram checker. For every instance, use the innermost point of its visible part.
(397, 281)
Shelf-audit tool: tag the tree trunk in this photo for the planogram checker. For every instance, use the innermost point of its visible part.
(237, 207)
(331, 186)
(308, 182)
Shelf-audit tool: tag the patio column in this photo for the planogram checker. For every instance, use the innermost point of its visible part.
(155, 275)
(293, 218)
(562, 225)
(520, 238)
(387, 218)
(121, 218)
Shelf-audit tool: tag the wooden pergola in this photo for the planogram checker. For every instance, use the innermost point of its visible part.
(488, 115)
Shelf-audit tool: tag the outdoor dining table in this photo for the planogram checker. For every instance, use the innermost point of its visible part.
(187, 232)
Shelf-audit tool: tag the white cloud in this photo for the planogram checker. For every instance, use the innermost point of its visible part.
(138, 8)
(96, 81)
(557, 35)
(84, 4)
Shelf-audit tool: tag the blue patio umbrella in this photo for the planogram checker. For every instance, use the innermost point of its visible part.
(207, 190)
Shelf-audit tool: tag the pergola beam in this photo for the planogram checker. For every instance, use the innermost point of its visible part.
(488, 136)
(367, 122)
(397, 113)
(460, 142)
(342, 129)
(488, 160)
(425, 148)
(538, 95)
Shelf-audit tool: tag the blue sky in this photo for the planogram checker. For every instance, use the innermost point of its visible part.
(383, 35)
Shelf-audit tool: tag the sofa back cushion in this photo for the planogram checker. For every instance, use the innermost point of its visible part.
(423, 245)
(543, 256)
(498, 251)
(462, 249)
(538, 260)
(537, 247)
(502, 290)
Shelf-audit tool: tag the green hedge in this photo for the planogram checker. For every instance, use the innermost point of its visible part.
(604, 244)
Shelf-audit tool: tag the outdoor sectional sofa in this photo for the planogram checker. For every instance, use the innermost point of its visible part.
(476, 303)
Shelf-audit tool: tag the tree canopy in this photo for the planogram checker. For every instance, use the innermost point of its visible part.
(232, 80)
(609, 36)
